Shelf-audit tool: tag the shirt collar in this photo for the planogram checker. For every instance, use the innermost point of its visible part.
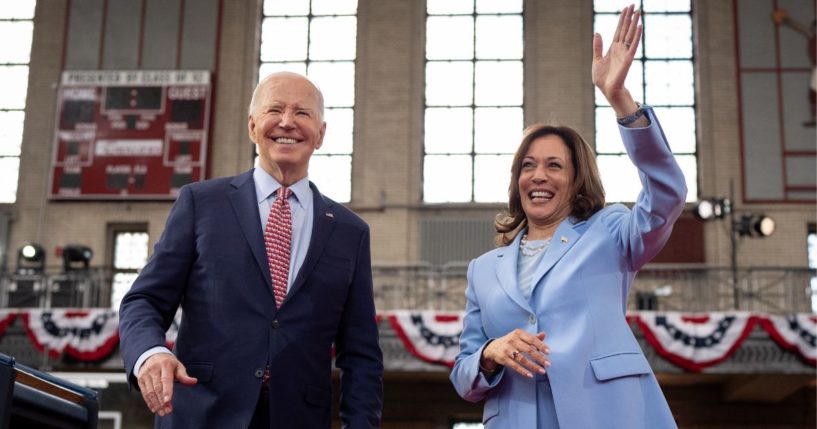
(266, 186)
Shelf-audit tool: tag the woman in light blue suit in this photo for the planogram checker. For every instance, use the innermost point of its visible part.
(564, 270)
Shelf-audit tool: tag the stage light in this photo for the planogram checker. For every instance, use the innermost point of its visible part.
(712, 208)
(755, 225)
(76, 257)
(30, 259)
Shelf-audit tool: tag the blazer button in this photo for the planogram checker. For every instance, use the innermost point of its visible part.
(275, 324)
(532, 319)
(259, 373)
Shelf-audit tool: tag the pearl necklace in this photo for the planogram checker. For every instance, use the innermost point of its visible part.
(531, 249)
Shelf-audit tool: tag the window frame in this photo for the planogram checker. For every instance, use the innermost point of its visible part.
(643, 59)
(473, 155)
(307, 62)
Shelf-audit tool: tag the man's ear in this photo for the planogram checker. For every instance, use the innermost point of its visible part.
(251, 127)
(323, 133)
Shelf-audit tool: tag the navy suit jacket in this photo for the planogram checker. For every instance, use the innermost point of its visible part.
(211, 261)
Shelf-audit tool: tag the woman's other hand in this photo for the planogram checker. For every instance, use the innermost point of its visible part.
(520, 351)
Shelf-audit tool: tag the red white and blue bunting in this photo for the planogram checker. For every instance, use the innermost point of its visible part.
(88, 334)
(695, 341)
(6, 317)
(795, 332)
(429, 335)
(691, 341)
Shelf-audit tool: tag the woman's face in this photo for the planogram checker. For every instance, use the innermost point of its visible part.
(546, 181)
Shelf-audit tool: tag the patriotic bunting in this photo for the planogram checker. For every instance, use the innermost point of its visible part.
(88, 334)
(429, 335)
(795, 332)
(695, 341)
(6, 317)
(691, 341)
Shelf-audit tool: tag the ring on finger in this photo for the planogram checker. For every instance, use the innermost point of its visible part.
(515, 354)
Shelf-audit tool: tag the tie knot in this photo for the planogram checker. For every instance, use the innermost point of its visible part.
(284, 192)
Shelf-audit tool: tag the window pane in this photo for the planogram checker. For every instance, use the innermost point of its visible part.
(19, 51)
(448, 130)
(9, 167)
(670, 36)
(499, 83)
(499, 6)
(334, 7)
(608, 136)
(339, 126)
(332, 175)
(447, 179)
(442, 7)
(449, 83)
(634, 83)
(337, 82)
(619, 177)
(283, 39)
(450, 37)
(689, 165)
(17, 9)
(268, 68)
(678, 124)
(286, 7)
(498, 130)
(13, 86)
(122, 283)
(333, 38)
(499, 37)
(665, 5)
(679, 127)
(11, 132)
(611, 6)
(491, 178)
(669, 82)
(130, 250)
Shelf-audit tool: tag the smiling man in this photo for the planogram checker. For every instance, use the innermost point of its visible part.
(269, 274)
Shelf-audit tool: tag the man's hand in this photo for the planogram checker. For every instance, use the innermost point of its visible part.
(156, 378)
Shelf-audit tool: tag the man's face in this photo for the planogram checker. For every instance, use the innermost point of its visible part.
(287, 125)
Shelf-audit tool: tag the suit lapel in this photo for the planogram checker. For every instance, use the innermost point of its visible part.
(323, 223)
(564, 238)
(506, 273)
(243, 199)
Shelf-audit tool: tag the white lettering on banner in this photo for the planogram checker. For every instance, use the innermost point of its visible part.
(128, 148)
(135, 78)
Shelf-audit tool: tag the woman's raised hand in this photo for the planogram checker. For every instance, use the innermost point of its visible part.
(610, 70)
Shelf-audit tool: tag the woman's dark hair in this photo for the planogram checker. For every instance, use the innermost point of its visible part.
(587, 193)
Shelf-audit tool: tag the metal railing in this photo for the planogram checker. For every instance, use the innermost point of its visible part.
(658, 287)
(442, 287)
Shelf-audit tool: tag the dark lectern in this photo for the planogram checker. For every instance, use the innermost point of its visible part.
(34, 399)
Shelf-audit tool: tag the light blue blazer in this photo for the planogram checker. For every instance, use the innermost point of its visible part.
(599, 376)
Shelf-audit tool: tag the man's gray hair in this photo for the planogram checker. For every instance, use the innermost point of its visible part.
(253, 100)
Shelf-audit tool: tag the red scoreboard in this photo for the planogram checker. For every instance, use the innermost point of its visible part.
(130, 135)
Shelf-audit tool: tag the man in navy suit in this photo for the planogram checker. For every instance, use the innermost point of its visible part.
(244, 356)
